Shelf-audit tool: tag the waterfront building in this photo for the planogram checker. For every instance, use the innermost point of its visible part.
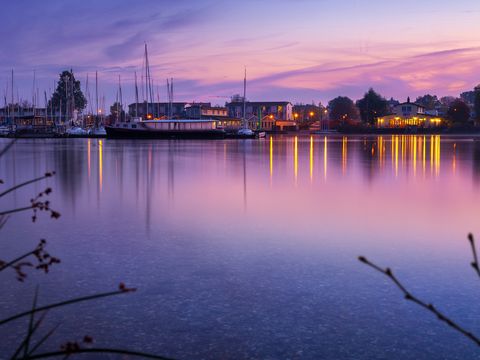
(158, 110)
(409, 114)
(205, 110)
(266, 115)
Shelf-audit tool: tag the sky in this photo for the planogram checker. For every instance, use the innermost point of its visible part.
(301, 51)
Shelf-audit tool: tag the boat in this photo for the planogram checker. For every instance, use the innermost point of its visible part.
(75, 131)
(245, 132)
(166, 129)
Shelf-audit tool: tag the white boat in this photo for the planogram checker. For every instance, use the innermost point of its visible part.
(76, 131)
(99, 131)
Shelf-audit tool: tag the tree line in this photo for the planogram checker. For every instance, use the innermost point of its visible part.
(373, 105)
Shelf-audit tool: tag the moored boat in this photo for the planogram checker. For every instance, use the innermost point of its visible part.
(166, 129)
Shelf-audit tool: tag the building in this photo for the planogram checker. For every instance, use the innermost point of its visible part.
(157, 110)
(280, 110)
(409, 114)
(205, 110)
(268, 115)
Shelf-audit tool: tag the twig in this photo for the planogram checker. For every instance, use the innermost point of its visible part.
(409, 296)
(13, 262)
(474, 263)
(43, 339)
(7, 147)
(22, 345)
(13, 188)
(67, 302)
(6, 212)
(97, 351)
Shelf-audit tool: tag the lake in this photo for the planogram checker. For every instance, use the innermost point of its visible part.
(248, 249)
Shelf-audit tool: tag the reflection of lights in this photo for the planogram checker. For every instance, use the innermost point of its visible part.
(424, 154)
(414, 156)
(271, 157)
(311, 157)
(295, 157)
(325, 155)
(344, 154)
(454, 163)
(100, 163)
(431, 153)
(437, 155)
(396, 156)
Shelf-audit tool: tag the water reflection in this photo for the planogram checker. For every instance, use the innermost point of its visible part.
(216, 229)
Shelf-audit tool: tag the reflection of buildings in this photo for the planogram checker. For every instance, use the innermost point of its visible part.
(409, 114)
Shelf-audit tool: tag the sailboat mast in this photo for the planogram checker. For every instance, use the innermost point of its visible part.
(136, 96)
(96, 98)
(146, 77)
(244, 99)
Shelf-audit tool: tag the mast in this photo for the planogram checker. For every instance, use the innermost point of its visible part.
(96, 99)
(13, 106)
(136, 96)
(121, 96)
(146, 77)
(244, 99)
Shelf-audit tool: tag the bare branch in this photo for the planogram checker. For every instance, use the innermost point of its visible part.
(409, 296)
(474, 263)
(121, 291)
(13, 188)
(7, 147)
(97, 351)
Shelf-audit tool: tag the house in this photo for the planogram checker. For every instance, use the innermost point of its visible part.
(409, 114)
(205, 110)
(157, 110)
(267, 115)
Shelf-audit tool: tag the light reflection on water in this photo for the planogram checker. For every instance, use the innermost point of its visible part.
(246, 249)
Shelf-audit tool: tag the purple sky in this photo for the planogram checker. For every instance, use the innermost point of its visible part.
(296, 50)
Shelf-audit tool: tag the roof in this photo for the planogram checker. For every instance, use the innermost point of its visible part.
(410, 103)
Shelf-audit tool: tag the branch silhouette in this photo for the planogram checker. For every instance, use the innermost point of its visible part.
(428, 306)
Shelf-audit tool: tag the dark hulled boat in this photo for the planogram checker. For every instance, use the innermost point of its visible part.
(166, 129)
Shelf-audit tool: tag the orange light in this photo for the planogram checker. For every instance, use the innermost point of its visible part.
(312, 113)
(271, 116)
(296, 115)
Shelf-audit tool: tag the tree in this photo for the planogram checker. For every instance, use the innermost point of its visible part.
(371, 106)
(116, 112)
(476, 103)
(458, 111)
(430, 102)
(68, 95)
(342, 109)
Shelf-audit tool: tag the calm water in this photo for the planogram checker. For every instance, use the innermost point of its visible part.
(248, 249)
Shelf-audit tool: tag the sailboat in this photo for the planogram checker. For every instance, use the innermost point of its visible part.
(245, 132)
(169, 128)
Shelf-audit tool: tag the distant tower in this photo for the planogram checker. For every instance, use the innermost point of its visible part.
(408, 99)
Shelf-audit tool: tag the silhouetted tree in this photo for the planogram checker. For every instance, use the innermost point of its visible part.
(68, 94)
(458, 111)
(342, 109)
(371, 106)
(430, 102)
(476, 103)
(116, 112)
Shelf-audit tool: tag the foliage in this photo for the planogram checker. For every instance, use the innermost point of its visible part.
(458, 112)
(30, 347)
(371, 106)
(68, 94)
(342, 109)
(430, 102)
(476, 103)
(427, 306)
(116, 112)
